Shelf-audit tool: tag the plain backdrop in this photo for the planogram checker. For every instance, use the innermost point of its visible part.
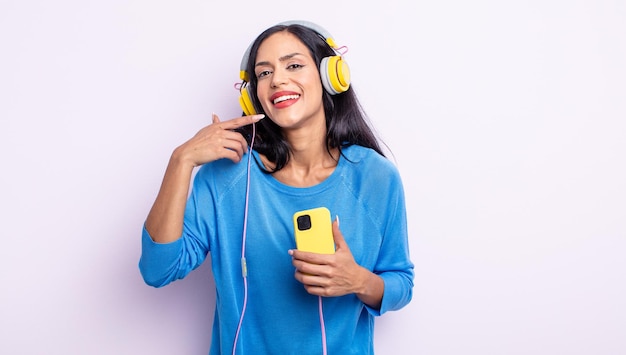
(507, 120)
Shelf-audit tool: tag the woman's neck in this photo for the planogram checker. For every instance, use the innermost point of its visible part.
(307, 166)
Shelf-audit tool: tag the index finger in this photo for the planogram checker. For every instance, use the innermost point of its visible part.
(241, 121)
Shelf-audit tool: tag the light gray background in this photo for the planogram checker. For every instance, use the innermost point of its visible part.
(506, 120)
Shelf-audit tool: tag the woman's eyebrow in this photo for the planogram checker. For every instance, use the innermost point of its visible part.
(281, 59)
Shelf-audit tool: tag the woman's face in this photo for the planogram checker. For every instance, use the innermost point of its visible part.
(289, 86)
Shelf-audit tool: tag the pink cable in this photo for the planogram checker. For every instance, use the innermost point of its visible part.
(323, 327)
(244, 267)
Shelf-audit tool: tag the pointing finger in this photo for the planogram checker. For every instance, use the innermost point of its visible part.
(242, 121)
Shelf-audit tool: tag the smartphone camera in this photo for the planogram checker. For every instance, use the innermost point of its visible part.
(304, 222)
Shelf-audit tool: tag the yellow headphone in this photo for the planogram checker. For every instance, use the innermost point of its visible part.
(334, 71)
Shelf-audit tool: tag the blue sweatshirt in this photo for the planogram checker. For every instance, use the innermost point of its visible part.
(365, 191)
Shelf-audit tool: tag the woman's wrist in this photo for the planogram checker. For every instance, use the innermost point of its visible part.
(370, 288)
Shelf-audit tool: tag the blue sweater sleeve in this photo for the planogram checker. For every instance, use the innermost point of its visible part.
(394, 263)
(162, 263)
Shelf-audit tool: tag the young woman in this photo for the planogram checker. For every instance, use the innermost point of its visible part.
(311, 147)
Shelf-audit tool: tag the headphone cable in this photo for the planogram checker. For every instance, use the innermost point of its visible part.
(244, 266)
(322, 326)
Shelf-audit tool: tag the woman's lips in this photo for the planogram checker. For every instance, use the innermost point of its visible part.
(284, 98)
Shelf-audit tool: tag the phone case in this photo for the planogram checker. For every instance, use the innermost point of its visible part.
(318, 237)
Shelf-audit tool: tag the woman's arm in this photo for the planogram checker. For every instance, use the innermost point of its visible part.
(216, 141)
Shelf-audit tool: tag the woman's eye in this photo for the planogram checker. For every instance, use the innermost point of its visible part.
(263, 73)
(294, 66)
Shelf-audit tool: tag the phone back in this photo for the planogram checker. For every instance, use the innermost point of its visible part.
(313, 231)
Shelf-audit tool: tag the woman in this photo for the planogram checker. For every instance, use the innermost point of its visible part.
(311, 147)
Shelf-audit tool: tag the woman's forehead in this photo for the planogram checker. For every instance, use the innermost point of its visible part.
(280, 44)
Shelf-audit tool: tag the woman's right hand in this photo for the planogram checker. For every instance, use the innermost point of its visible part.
(216, 141)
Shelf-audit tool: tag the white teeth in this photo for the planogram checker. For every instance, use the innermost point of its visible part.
(286, 97)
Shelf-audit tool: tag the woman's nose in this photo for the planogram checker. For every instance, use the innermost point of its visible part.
(279, 77)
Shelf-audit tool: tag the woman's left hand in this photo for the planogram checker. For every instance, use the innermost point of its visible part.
(330, 275)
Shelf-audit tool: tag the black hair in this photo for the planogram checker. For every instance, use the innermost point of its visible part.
(346, 121)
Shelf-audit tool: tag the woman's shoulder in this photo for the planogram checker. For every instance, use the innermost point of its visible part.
(372, 179)
(366, 168)
(221, 173)
(368, 158)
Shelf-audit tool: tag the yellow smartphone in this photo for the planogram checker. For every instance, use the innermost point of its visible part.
(314, 231)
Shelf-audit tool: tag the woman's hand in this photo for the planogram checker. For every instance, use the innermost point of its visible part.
(216, 141)
(337, 274)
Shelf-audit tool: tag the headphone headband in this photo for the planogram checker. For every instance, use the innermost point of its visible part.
(325, 35)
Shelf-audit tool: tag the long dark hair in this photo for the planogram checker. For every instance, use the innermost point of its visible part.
(346, 122)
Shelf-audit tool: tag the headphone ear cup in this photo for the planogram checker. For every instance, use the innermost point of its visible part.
(245, 101)
(335, 74)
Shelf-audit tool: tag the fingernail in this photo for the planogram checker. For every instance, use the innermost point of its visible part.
(337, 219)
(257, 118)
